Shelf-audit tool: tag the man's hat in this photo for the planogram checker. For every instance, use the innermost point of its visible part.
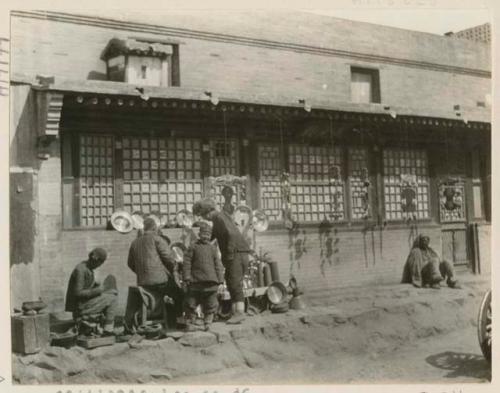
(205, 228)
(203, 207)
(98, 253)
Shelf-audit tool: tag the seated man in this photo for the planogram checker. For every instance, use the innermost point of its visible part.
(85, 297)
(153, 262)
(423, 267)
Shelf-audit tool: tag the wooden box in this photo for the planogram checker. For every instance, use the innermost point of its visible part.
(94, 342)
(30, 333)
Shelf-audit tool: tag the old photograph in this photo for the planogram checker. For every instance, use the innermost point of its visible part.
(249, 196)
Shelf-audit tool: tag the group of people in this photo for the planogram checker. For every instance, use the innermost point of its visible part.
(153, 262)
(204, 272)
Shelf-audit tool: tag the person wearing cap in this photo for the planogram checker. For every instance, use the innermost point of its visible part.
(234, 251)
(202, 274)
(424, 268)
(153, 262)
(85, 297)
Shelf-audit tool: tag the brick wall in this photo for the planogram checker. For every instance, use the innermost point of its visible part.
(484, 235)
(350, 258)
(343, 258)
(73, 51)
(48, 240)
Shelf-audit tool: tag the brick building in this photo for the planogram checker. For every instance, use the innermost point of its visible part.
(385, 134)
(481, 33)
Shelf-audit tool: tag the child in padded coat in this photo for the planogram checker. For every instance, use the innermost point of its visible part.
(202, 273)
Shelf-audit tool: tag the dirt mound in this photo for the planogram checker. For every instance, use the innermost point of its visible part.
(366, 324)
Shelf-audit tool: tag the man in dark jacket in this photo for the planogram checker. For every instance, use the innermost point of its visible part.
(234, 253)
(152, 260)
(85, 297)
(202, 273)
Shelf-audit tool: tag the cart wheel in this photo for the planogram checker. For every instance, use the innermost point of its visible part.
(484, 326)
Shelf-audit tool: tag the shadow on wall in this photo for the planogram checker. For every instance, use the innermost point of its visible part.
(297, 246)
(329, 245)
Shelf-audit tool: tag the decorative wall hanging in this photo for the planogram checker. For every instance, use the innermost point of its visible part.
(451, 201)
(408, 193)
(229, 181)
(334, 179)
(286, 205)
(228, 193)
(365, 197)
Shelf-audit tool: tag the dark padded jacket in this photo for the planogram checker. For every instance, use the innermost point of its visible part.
(202, 264)
(151, 259)
(81, 286)
(230, 240)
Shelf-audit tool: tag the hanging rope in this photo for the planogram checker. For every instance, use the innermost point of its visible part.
(282, 144)
(226, 147)
(332, 202)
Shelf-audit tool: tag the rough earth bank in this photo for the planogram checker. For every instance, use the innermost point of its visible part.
(368, 322)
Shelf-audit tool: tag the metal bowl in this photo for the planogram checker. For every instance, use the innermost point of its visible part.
(260, 221)
(36, 305)
(276, 292)
(122, 221)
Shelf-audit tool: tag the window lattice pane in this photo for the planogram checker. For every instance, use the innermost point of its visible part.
(166, 197)
(162, 175)
(223, 157)
(398, 162)
(317, 189)
(96, 179)
(161, 159)
(358, 170)
(270, 187)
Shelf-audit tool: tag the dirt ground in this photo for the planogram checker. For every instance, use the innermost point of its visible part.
(449, 358)
(384, 334)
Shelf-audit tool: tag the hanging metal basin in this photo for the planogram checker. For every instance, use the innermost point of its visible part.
(122, 221)
(185, 218)
(242, 216)
(260, 221)
(138, 220)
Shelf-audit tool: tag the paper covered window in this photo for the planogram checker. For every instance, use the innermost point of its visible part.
(317, 188)
(270, 170)
(359, 183)
(161, 175)
(406, 184)
(96, 179)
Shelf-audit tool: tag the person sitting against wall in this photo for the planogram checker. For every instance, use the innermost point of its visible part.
(234, 253)
(154, 264)
(85, 297)
(424, 268)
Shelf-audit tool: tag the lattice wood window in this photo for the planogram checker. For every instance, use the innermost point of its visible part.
(317, 189)
(160, 159)
(161, 175)
(96, 179)
(270, 170)
(223, 157)
(400, 164)
(358, 173)
(167, 197)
